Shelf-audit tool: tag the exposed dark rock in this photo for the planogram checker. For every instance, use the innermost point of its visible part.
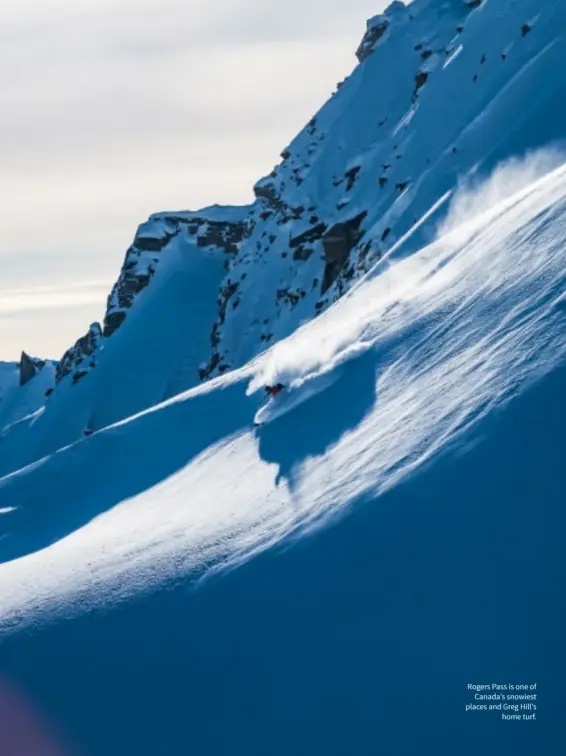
(226, 292)
(267, 190)
(205, 372)
(310, 235)
(420, 80)
(29, 367)
(290, 296)
(352, 176)
(113, 321)
(365, 250)
(78, 375)
(525, 29)
(132, 280)
(376, 28)
(83, 348)
(338, 243)
(302, 253)
(225, 236)
(154, 236)
(154, 244)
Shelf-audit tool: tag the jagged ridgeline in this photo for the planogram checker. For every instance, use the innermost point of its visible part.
(442, 90)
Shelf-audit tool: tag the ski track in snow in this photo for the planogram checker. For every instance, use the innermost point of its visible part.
(453, 331)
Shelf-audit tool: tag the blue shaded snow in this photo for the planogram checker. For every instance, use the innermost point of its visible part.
(360, 639)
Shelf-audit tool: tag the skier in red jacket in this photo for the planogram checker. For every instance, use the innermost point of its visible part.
(274, 390)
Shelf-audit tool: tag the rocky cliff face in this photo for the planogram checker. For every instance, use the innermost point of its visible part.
(149, 246)
(423, 108)
(29, 367)
(220, 229)
(80, 357)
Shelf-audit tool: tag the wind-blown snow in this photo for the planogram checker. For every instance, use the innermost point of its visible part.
(425, 395)
(456, 331)
(476, 195)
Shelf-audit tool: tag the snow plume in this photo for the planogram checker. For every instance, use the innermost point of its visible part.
(406, 289)
(299, 360)
(477, 195)
(346, 330)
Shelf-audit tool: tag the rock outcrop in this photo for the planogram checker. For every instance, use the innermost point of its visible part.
(29, 367)
(362, 175)
(338, 242)
(376, 28)
(79, 358)
(153, 240)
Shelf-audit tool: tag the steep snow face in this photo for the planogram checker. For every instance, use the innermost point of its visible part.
(9, 379)
(445, 91)
(21, 400)
(423, 356)
(212, 229)
(147, 352)
(8, 375)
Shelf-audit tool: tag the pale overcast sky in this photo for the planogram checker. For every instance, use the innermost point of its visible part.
(114, 109)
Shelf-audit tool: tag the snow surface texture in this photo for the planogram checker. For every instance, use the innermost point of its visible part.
(450, 364)
(431, 385)
(429, 345)
(446, 92)
(18, 403)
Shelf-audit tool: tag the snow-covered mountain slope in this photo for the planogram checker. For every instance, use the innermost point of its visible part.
(449, 90)
(9, 378)
(438, 433)
(24, 387)
(421, 353)
(444, 91)
(133, 362)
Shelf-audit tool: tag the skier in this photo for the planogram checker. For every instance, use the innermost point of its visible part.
(274, 390)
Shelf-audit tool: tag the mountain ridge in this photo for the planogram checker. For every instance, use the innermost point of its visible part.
(175, 579)
(368, 169)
